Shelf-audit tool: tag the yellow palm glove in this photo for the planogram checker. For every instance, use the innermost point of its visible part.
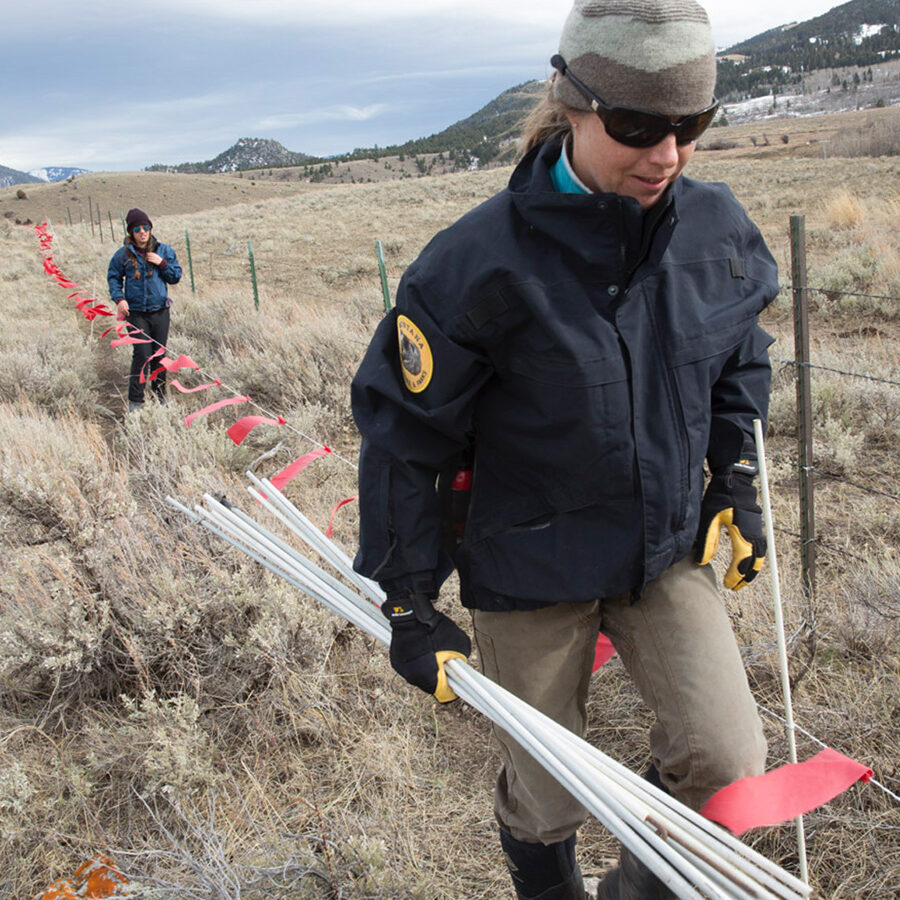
(422, 642)
(730, 503)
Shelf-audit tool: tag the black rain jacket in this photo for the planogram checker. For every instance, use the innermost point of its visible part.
(589, 350)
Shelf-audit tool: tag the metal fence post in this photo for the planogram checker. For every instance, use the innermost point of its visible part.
(253, 275)
(187, 241)
(384, 285)
(800, 291)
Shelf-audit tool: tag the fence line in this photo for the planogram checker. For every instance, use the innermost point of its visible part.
(857, 485)
(805, 365)
(820, 543)
(822, 744)
(824, 290)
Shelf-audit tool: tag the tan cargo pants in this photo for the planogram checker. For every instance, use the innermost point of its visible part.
(677, 645)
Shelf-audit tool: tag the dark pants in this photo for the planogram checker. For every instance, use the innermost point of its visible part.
(154, 325)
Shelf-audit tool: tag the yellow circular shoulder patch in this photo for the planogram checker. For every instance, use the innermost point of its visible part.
(415, 355)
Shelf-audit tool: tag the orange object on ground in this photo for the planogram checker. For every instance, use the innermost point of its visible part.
(61, 889)
(98, 877)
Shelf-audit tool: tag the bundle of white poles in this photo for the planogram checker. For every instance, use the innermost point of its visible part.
(694, 857)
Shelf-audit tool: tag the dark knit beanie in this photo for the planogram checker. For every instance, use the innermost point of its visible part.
(136, 217)
(655, 55)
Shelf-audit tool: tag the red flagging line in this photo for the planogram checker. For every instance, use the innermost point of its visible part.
(291, 471)
(244, 426)
(229, 401)
(330, 530)
(127, 334)
(784, 793)
(603, 652)
(200, 387)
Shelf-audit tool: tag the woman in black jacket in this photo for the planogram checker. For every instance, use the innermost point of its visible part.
(589, 335)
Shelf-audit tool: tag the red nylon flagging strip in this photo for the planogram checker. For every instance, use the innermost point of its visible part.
(173, 365)
(150, 359)
(200, 387)
(603, 652)
(127, 335)
(330, 531)
(290, 472)
(230, 401)
(785, 793)
(244, 426)
(120, 342)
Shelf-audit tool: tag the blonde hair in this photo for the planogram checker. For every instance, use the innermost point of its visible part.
(548, 119)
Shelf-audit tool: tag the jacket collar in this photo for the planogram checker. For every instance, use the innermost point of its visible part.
(587, 223)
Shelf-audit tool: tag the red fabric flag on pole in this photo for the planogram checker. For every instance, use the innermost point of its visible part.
(784, 793)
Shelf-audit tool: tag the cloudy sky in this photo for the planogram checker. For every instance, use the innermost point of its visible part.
(107, 85)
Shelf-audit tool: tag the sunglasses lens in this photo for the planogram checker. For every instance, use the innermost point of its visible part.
(693, 126)
(639, 129)
(634, 128)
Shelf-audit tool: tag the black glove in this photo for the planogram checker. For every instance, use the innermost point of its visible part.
(730, 501)
(422, 640)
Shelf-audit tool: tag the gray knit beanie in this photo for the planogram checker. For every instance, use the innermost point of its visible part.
(655, 55)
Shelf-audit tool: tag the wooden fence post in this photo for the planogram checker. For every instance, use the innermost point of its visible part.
(800, 291)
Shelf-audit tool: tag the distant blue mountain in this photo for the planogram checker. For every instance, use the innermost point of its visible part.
(57, 173)
(9, 177)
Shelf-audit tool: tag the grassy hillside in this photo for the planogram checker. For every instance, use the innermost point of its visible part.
(165, 701)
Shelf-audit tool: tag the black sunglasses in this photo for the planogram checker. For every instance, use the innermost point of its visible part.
(634, 127)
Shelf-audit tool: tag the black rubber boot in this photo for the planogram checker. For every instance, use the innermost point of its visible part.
(541, 871)
(631, 879)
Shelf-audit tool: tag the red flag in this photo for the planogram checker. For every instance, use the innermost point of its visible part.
(121, 342)
(784, 793)
(339, 505)
(244, 426)
(173, 365)
(200, 387)
(150, 359)
(290, 472)
(230, 401)
(603, 652)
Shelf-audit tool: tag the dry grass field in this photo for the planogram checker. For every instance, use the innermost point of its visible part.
(165, 701)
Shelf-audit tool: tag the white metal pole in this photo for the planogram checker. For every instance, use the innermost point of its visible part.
(680, 846)
(779, 631)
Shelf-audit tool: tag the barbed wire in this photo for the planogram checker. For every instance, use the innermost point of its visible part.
(822, 744)
(820, 543)
(803, 365)
(824, 290)
(856, 484)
